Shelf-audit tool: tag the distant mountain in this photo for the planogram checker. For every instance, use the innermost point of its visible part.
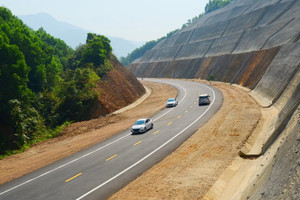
(74, 35)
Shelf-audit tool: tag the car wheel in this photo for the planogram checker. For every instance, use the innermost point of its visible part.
(151, 126)
(145, 129)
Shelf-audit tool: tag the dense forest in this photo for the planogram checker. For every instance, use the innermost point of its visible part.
(139, 52)
(44, 84)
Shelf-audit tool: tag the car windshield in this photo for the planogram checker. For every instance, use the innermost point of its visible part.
(170, 100)
(139, 122)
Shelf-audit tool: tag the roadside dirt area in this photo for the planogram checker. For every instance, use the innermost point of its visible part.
(72, 139)
(191, 170)
(187, 173)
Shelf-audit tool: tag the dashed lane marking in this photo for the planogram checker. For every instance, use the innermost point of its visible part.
(155, 132)
(138, 143)
(111, 157)
(73, 177)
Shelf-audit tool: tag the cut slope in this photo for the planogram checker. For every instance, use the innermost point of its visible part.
(117, 89)
(254, 44)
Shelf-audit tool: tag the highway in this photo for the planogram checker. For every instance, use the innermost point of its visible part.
(103, 169)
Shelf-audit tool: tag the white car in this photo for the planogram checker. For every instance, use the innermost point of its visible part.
(171, 102)
(142, 125)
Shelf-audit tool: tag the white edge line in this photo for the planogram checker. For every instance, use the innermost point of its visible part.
(125, 170)
(30, 180)
(61, 166)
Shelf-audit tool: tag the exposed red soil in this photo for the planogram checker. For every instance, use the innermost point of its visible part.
(117, 89)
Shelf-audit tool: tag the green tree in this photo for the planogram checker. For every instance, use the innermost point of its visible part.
(139, 52)
(216, 4)
(53, 72)
(43, 82)
(96, 50)
(25, 120)
(94, 54)
(31, 64)
(77, 94)
(14, 74)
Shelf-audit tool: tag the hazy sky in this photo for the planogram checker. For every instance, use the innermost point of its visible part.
(139, 20)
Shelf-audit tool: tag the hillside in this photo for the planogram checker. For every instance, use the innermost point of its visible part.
(118, 89)
(254, 44)
(46, 85)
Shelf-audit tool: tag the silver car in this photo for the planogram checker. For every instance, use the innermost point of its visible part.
(142, 125)
(172, 102)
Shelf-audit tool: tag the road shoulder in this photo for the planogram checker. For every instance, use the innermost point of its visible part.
(191, 170)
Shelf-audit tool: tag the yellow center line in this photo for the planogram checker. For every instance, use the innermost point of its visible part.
(170, 123)
(155, 132)
(179, 117)
(138, 143)
(111, 157)
(195, 102)
(187, 111)
(73, 177)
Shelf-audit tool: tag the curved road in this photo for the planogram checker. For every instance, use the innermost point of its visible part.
(103, 169)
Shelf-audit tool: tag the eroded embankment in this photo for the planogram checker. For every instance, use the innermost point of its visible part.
(117, 89)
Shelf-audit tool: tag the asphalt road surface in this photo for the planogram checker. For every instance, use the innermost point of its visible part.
(103, 169)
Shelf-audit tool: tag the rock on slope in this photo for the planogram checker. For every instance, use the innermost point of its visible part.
(254, 44)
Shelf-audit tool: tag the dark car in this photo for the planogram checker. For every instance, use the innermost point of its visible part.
(204, 99)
